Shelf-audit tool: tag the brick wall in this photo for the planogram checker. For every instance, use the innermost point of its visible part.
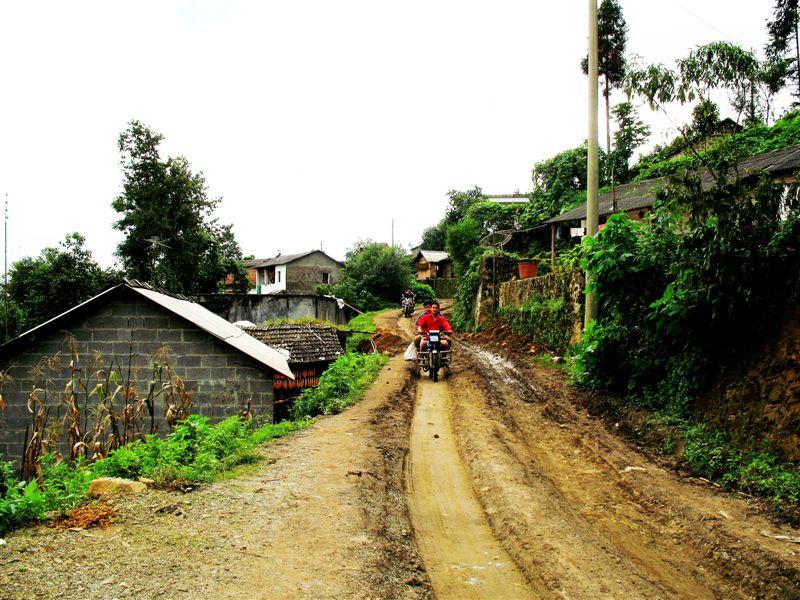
(131, 329)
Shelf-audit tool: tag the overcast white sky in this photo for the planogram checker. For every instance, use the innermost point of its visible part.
(316, 121)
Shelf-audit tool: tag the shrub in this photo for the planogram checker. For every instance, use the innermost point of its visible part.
(548, 322)
(340, 386)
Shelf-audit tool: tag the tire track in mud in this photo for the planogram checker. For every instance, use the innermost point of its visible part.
(587, 516)
(461, 555)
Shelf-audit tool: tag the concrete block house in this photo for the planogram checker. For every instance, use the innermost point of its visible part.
(293, 273)
(128, 329)
(311, 348)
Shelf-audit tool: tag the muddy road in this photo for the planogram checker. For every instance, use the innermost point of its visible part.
(491, 483)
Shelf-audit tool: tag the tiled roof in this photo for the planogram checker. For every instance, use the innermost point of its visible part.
(281, 259)
(306, 342)
(642, 194)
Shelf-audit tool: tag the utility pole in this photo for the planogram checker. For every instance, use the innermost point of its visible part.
(592, 171)
(5, 264)
(392, 232)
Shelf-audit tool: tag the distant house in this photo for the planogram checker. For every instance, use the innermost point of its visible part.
(129, 328)
(433, 264)
(310, 349)
(293, 273)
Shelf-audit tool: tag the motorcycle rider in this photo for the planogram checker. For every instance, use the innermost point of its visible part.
(408, 294)
(426, 309)
(434, 321)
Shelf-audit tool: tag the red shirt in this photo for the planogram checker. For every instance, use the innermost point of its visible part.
(431, 322)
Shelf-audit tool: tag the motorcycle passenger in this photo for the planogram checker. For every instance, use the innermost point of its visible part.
(434, 321)
(408, 294)
(426, 309)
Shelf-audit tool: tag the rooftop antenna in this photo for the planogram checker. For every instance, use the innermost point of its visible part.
(155, 244)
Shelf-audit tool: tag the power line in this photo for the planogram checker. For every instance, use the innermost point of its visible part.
(699, 18)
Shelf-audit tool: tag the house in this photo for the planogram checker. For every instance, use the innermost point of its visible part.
(293, 273)
(311, 348)
(145, 336)
(433, 264)
(637, 198)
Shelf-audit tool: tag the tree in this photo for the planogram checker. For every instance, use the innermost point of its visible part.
(631, 133)
(705, 117)
(435, 237)
(612, 37)
(782, 31)
(171, 237)
(559, 183)
(374, 276)
(58, 279)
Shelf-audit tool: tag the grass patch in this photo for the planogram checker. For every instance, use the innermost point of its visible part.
(365, 322)
(340, 386)
(195, 452)
(303, 321)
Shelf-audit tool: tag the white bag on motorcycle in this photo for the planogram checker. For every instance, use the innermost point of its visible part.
(411, 352)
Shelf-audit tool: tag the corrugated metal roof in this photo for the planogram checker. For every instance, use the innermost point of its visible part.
(306, 342)
(642, 194)
(629, 197)
(433, 256)
(177, 304)
(218, 327)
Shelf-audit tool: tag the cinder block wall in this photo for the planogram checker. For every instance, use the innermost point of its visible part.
(130, 331)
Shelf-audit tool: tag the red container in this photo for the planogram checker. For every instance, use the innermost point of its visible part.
(528, 269)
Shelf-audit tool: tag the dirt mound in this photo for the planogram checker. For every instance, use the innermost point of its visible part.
(389, 341)
(87, 517)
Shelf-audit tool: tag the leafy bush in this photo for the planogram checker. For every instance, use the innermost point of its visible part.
(710, 455)
(340, 386)
(680, 295)
(374, 276)
(195, 452)
(547, 322)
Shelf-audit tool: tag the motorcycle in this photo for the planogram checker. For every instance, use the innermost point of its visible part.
(408, 307)
(434, 357)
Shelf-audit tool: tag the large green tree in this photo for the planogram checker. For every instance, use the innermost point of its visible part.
(631, 133)
(783, 38)
(374, 276)
(171, 235)
(612, 38)
(42, 287)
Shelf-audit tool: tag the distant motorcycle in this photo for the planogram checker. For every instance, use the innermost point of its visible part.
(434, 357)
(408, 307)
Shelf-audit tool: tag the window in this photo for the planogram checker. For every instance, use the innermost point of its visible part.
(279, 276)
(326, 278)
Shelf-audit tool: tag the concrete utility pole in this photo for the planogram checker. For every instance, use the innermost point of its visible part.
(593, 168)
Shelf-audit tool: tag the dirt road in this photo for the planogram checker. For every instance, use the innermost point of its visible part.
(580, 512)
(462, 557)
(521, 495)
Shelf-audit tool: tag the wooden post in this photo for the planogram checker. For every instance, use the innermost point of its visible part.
(553, 230)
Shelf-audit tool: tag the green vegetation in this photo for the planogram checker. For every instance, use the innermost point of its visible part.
(195, 452)
(709, 454)
(59, 278)
(342, 385)
(374, 277)
(171, 236)
(546, 322)
(755, 140)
